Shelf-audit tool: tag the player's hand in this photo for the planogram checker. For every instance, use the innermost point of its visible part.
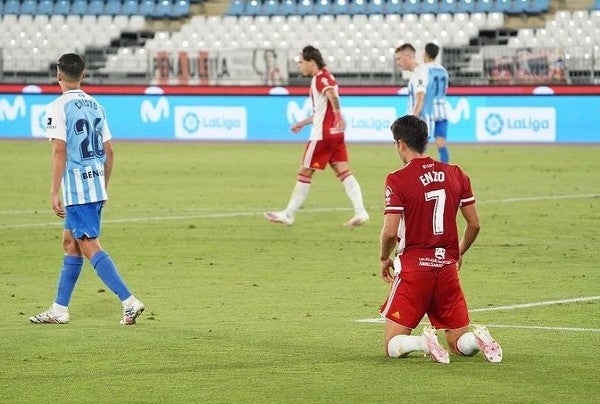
(57, 205)
(297, 127)
(459, 263)
(340, 125)
(387, 270)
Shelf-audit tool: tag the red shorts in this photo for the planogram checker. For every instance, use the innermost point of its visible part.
(319, 153)
(436, 293)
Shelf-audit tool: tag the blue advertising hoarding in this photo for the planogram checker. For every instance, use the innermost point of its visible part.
(476, 118)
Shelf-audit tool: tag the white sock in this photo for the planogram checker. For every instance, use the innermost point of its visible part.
(352, 188)
(401, 345)
(467, 344)
(129, 301)
(299, 194)
(59, 308)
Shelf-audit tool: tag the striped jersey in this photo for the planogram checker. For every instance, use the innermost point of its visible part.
(437, 87)
(77, 119)
(323, 117)
(428, 194)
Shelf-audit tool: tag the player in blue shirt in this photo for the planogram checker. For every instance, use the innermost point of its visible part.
(82, 160)
(437, 87)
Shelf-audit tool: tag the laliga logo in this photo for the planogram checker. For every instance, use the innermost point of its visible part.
(296, 113)
(191, 122)
(10, 112)
(150, 113)
(494, 124)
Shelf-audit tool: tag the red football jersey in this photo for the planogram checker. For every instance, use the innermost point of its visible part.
(428, 194)
(323, 118)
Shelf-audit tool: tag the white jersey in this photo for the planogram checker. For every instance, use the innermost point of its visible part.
(323, 117)
(418, 83)
(78, 120)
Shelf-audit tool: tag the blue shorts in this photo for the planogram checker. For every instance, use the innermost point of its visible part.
(441, 129)
(84, 220)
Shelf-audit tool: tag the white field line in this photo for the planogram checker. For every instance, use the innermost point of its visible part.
(222, 214)
(516, 307)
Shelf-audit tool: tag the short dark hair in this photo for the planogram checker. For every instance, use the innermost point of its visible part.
(412, 131)
(432, 50)
(311, 53)
(404, 47)
(72, 65)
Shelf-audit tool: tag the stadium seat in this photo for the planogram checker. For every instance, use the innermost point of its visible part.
(45, 7)
(270, 7)
(596, 5)
(305, 7)
(339, 7)
(411, 7)
(504, 6)
(322, 7)
(358, 7)
(112, 7)
(447, 6)
(376, 7)
(464, 6)
(537, 7)
(162, 9)
(146, 8)
(28, 7)
(287, 7)
(236, 7)
(253, 7)
(181, 8)
(12, 7)
(484, 6)
(79, 7)
(62, 7)
(429, 6)
(519, 6)
(129, 7)
(95, 7)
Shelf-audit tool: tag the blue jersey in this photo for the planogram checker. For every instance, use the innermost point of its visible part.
(78, 119)
(437, 85)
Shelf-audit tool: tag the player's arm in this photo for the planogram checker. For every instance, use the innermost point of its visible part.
(59, 161)
(334, 100)
(421, 81)
(388, 241)
(108, 163)
(297, 127)
(419, 102)
(471, 216)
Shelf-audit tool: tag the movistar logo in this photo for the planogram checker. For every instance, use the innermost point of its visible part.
(462, 110)
(297, 113)
(11, 112)
(150, 113)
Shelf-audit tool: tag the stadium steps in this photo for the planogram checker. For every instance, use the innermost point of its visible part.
(216, 7)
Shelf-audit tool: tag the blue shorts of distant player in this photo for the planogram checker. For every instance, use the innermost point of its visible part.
(441, 128)
(84, 220)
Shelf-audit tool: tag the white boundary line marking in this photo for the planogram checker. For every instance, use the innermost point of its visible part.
(533, 327)
(512, 307)
(222, 214)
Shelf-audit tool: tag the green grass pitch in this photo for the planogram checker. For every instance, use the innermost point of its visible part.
(241, 310)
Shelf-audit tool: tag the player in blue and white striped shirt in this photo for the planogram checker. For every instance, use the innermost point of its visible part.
(437, 87)
(82, 160)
